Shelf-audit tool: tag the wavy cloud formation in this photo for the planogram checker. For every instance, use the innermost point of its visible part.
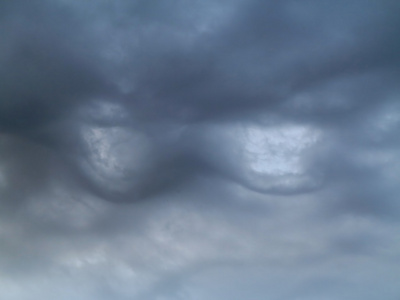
(199, 150)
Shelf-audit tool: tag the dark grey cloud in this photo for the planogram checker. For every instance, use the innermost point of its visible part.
(199, 150)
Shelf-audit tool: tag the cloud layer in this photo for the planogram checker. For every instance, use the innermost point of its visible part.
(199, 150)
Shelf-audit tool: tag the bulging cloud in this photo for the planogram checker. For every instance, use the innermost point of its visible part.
(199, 150)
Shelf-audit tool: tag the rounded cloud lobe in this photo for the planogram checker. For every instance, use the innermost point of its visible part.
(202, 150)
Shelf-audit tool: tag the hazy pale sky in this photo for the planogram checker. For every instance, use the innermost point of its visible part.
(199, 150)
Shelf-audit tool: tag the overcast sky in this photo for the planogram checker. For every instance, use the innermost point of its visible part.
(199, 150)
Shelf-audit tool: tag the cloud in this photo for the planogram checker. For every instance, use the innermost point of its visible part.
(211, 149)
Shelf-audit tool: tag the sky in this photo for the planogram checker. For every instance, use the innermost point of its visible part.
(199, 150)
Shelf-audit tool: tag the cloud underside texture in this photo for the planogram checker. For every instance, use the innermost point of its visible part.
(199, 150)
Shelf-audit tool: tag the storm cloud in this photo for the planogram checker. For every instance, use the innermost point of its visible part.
(199, 149)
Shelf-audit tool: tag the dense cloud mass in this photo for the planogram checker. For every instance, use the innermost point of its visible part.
(170, 149)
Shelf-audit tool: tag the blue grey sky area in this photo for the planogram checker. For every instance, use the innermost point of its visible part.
(199, 150)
